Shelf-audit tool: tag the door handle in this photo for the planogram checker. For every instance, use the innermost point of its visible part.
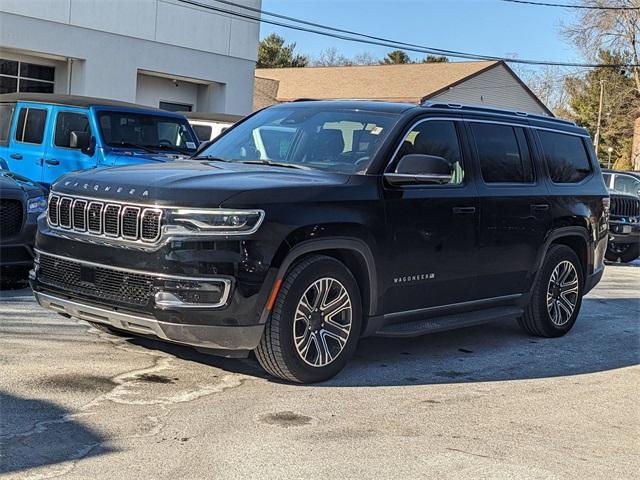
(16, 156)
(52, 161)
(540, 207)
(464, 210)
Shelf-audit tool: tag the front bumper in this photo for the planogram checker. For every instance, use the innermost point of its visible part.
(624, 232)
(217, 339)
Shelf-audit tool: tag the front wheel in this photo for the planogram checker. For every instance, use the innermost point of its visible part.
(557, 294)
(315, 323)
(623, 252)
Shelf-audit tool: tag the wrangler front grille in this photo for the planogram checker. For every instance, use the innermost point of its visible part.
(97, 218)
(99, 283)
(625, 207)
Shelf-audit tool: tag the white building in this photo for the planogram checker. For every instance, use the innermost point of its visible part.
(161, 53)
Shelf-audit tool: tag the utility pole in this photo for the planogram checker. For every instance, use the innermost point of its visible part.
(596, 141)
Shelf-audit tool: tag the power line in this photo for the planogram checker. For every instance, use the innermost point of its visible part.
(562, 5)
(379, 41)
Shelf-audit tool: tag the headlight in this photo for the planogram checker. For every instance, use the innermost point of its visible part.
(184, 221)
(36, 204)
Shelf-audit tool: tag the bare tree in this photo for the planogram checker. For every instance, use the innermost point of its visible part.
(548, 83)
(615, 30)
(331, 57)
(365, 58)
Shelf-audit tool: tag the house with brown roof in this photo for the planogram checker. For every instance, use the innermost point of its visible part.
(490, 83)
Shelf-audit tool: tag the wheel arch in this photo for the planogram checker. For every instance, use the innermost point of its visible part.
(353, 252)
(576, 238)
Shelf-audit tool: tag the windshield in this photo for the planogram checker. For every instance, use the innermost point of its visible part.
(313, 137)
(147, 132)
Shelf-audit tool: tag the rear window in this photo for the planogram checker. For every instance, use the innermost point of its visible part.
(6, 114)
(31, 123)
(203, 132)
(566, 157)
(504, 153)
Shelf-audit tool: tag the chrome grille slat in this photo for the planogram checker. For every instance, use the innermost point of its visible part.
(114, 220)
(625, 207)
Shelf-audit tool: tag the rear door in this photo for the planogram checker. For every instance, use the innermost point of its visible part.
(61, 156)
(515, 213)
(432, 229)
(28, 143)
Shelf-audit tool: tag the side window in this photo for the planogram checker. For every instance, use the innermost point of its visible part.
(503, 152)
(6, 115)
(566, 157)
(203, 132)
(626, 184)
(439, 138)
(68, 122)
(31, 123)
(607, 179)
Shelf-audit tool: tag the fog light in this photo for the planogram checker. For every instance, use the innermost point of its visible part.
(193, 293)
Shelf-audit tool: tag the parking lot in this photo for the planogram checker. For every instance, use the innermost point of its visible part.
(475, 403)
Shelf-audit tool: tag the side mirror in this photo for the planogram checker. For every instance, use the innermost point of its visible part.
(82, 141)
(416, 169)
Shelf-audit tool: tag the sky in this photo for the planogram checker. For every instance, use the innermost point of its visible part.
(488, 27)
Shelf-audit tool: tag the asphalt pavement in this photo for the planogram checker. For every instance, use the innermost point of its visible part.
(481, 402)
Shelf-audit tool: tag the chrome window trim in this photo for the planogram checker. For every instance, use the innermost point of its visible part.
(123, 211)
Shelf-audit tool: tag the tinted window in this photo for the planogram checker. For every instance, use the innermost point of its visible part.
(626, 184)
(33, 86)
(39, 72)
(503, 152)
(6, 114)
(31, 123)
(8, 67)
(8, 85)
(203, 132)
(66, 123)
(437, 138)
(175, 107)
(566, 157)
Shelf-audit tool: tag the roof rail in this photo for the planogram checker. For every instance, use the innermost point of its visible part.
(503, 111)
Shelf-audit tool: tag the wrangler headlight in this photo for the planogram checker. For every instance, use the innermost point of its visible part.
(36, 204)
(189, 221)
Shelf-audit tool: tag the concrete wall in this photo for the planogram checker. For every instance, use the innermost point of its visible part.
(495, 87)
(112, 42)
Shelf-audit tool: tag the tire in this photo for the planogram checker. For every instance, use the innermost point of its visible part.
(290, 322)
(555, 320)
(623, 252)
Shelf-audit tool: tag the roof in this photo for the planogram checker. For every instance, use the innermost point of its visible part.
(213, 117)
(404, 82)
(364, 105)
(72, 100)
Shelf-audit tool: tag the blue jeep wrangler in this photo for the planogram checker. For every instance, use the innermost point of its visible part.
(43, 136)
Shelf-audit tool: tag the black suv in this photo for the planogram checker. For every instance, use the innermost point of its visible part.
(311, 224)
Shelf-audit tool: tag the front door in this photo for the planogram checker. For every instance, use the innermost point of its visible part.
(432, 229)
(62, 156)
(28, 144)
(515, 215)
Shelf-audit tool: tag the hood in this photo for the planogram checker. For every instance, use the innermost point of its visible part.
(124, 157)
(194, 183)
(10, 181)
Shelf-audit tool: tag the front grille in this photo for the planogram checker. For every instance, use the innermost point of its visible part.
(11, 212)
(95, 282)
(625, 207)
(114, 220)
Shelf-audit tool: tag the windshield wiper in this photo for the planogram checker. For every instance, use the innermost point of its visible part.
(132, 145)
(211, 158)
(274, 164)
(175, 148)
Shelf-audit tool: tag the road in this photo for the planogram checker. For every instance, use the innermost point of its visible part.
(483, 402)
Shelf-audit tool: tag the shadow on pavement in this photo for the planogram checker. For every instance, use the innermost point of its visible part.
(605, 337)
(37, 433)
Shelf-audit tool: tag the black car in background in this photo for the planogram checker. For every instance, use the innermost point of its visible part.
(309, 225)
(21, 201)
(624, 228)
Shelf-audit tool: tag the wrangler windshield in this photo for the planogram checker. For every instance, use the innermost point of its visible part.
(146, 131)
(329, 139)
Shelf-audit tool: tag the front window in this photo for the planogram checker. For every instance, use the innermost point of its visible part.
(626, 184)
(146, 131)
(342, 140)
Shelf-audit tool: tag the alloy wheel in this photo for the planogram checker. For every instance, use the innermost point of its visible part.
(322, 322)
(562, 293)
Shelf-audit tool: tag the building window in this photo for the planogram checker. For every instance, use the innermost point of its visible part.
(25, 77)
(175, 107)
